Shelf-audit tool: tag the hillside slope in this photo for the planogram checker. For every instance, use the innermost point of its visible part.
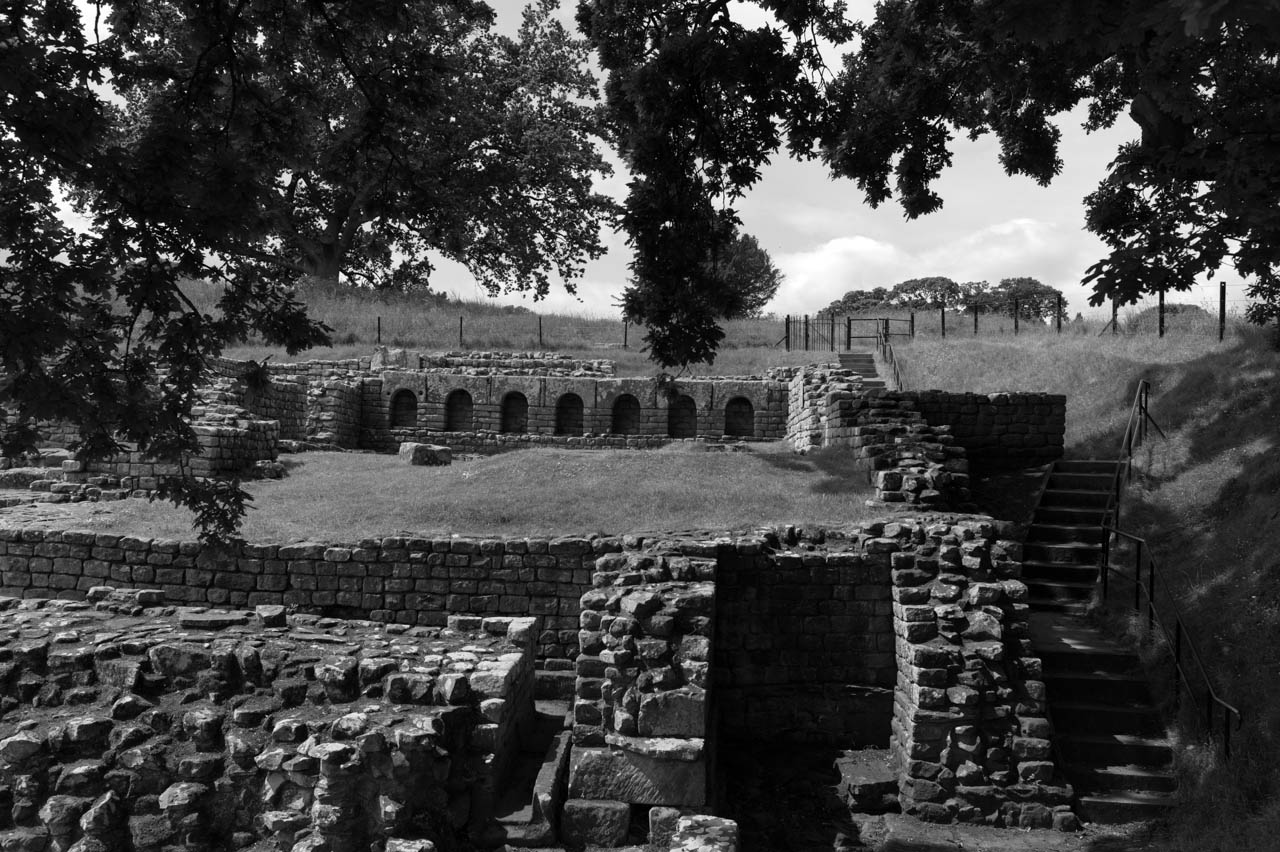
(1208, 500)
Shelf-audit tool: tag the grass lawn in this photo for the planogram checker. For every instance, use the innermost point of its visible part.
(537, 492)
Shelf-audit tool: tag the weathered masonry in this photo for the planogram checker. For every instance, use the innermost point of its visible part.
(908, 634)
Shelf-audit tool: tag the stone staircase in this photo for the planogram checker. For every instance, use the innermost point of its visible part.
(863, 363)
(1109, 733)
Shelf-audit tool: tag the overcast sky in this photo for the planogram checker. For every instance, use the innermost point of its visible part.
(827, 241)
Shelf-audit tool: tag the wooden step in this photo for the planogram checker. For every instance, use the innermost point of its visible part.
(1102, 482)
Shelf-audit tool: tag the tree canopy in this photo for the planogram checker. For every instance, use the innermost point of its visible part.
(366, 137)
(1196, 189)
(1029, 297)
(749, 275)
(256, 143)
(699, 102)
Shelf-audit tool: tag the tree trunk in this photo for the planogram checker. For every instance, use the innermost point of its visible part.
(325, 268)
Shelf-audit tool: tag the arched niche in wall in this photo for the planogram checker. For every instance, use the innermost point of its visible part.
(458, 409)
(740, 418)
(682, 417)
(626, 415)
(404, 410)
(515, 413)
(569, 414)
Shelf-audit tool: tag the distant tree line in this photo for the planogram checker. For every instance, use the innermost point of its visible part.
(1032, 299)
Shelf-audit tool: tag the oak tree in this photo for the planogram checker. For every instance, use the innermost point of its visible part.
(1194, 191)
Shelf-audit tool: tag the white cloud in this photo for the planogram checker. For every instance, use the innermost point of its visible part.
(1052, 253)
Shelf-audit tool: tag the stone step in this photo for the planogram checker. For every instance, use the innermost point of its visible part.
(1095, 466)
(1123, 807)
(1097, 684)
(1054, 572)
(1061, 606)
(1059, 590)
(1131, 777)
(1102, 482)
(1104, 749)
(1078, 553)
(1070, 515)
(1100, 716)
(1074, 498)
(1045, 533)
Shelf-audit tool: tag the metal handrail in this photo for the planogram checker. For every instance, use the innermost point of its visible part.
(1135, 433)
(1148, 589)
(886, 355)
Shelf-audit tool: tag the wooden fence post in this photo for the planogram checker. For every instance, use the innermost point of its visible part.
(539, 331)
(833, 331)
(913, 324)
(459, 331)
(942, 312)
(379, 330)
(1059, 314)
(1222, 310)
(975, 320)
(786, 331)
(806, 332)
(626, 326)
(1015, 316)
(1115, 317)
(1162, 313)
(848, 333)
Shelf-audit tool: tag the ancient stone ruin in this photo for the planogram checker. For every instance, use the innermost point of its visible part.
(406, 694)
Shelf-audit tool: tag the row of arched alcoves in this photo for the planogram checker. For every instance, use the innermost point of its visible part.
(682, 414)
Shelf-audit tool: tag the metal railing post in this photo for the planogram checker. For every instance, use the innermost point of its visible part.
(1137, 576)
(806, 332)
(1151, 595)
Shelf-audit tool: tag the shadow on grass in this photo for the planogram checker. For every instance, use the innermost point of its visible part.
(837, 468)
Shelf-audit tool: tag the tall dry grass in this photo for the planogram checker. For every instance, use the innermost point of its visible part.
(1097, 373)
(360, 319)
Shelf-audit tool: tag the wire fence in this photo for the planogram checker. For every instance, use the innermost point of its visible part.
(1157, 315)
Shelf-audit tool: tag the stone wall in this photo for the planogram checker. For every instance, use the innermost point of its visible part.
(804, 643)
(1000, 429)
(642, 696)
(152, 729)
(402, 580)
(334, 410)
(970, 733)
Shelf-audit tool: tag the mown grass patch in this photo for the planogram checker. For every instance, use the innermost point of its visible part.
(543, 492)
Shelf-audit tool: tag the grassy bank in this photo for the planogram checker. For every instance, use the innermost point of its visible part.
(543, 492)
(1097, 374)
(1208, 501)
